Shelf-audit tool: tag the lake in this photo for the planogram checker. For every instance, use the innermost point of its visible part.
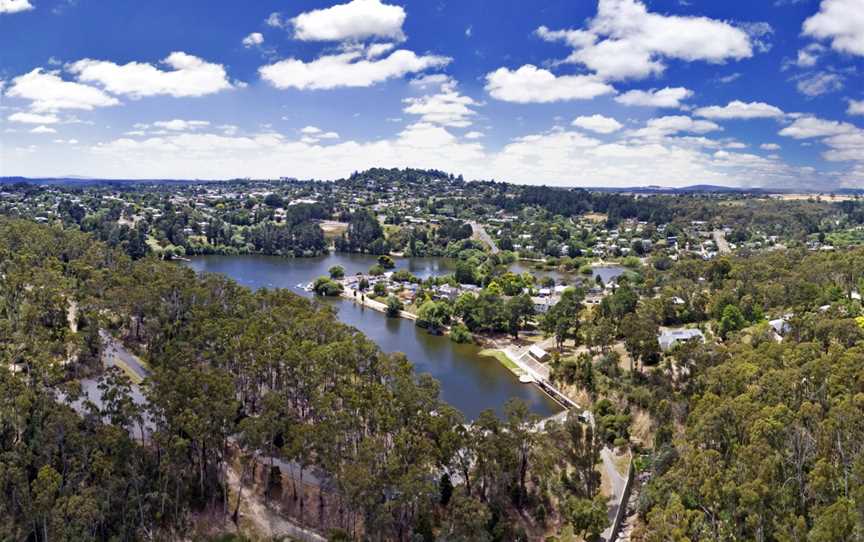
(470, 382)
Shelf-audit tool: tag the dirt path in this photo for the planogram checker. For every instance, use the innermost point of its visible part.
(265, 521)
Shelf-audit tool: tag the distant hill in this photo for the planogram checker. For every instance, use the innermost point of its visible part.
(419, 176)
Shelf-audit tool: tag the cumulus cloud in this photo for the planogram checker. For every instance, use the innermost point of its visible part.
(347, 69)
(665, 126)
(447, 107)
(312, 134)
(474, 135)
(597, 123)
(809, 55)
(532, 84)
(275, 20)
(188, 76)
(358, 19)
(664, 97)
(737, 109)
(769, 147)
(47, 92)
(253, 39)
(806, 127)
(180, 125)
(33, 118)
(626, 41)
(43, 130)
(819, 83)
(856, 107)
(841, 22)
(15, 6)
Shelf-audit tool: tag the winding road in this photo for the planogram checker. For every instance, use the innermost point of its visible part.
(481, 234)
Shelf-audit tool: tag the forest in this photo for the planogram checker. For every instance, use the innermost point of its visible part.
(238, 381)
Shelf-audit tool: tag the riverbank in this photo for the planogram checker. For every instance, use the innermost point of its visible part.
(364, 300)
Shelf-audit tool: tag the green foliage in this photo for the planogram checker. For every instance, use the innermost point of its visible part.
(459, 333)
(336, 272)
(394, 306)
(327, 287)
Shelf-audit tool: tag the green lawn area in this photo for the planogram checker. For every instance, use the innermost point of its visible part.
(503, 360)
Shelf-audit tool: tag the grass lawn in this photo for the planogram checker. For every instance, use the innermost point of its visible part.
(503, 360)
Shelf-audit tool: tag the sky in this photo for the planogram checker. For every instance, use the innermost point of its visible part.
(614, 93)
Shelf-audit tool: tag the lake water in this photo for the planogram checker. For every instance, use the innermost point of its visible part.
(469, 382)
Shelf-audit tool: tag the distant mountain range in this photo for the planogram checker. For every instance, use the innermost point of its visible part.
(693, 189)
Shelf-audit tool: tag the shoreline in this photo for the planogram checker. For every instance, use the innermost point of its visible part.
(489, 348)
(365, 301)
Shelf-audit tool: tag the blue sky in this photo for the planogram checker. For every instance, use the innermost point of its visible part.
(575, 92)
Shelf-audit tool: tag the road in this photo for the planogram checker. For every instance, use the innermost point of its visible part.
(481, 234)
(116, 355)
(720, 240)
(618, 483)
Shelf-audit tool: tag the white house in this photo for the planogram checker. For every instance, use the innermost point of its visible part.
(538, 353)
(670, 338)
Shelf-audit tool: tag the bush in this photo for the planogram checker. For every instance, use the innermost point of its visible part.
(460, 334)
(393, 306)
(327, 287)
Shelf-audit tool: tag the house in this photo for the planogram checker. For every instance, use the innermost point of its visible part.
(781, 326)
(670, 338)
(542, 304)
(538, 353)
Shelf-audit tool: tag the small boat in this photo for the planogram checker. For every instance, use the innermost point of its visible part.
(526, 379)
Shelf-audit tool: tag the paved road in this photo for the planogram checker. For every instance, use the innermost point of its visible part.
(618, 484)
(116, 355)
(481, 234)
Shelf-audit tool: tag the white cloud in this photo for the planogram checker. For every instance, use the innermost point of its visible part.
(355, 20)
(474, 135)
(43, 130)
(664, 97)
(625, 41)
(845, 147)
(726, 79)
(312, 134)
(15, 6)
(377, 49)
(253, 39)
(33, 118)
(347, 69)
(557, 156)
(598, 123)
(808, 127)
(179, 125)
(769, 147)
(275, 20)
(737, 109)
(809, 55)
(819, 83)
(447, 107)
(189, 76)
(532, 84)
(856, 107)
(48, 92)
(665, 126)
(842, 22)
